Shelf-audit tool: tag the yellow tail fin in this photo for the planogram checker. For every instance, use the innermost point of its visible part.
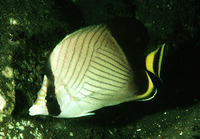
(154, 61)
(153, 67)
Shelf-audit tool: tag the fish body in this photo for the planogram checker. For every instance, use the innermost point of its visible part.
(88, 70)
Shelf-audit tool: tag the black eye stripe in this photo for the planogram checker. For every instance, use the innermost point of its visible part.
(52, 104)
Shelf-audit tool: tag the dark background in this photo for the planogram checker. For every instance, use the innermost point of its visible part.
(42, 24)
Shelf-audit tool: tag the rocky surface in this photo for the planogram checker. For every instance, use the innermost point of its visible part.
(29, 30)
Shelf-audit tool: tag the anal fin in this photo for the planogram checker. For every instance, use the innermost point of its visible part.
(145, 86)
(85, 114)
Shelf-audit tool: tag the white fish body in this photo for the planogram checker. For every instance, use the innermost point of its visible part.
(88, 70)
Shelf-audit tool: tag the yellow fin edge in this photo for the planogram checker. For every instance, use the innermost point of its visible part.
(146, 96)
(150, 59)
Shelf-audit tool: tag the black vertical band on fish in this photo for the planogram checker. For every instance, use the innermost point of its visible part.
(52, 103)
(97, 66)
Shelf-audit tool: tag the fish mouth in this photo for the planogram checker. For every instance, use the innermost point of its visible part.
(38, 109)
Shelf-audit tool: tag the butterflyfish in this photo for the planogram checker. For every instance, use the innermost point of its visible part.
(97, 66)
